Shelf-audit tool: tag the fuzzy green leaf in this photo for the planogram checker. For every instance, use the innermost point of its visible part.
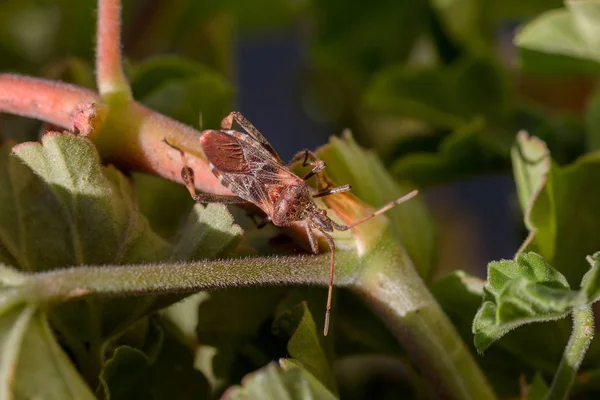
(97, 213)
(273, 382)
(527, 290)
(347, 163)
(549, 192)
(305, 345)
(32, 363)
(563, 40)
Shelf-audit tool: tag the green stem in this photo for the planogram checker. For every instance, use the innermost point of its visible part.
(391, 286)
(583, 332)
(70, 283)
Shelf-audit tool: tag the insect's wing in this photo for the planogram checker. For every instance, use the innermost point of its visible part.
(250, 130)
(246, 168)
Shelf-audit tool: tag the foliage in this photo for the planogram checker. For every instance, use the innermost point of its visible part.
(114, 285)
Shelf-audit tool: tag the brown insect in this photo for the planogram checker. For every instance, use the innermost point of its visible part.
(247, 165)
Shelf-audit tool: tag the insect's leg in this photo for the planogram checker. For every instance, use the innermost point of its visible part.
(330, 292)
(305, 156)
(314, 244)
(227, 124)
(335, 190)
(187, 176)
(383, 209)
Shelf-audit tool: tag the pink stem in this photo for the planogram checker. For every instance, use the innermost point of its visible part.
(109, 73)
(48, 101)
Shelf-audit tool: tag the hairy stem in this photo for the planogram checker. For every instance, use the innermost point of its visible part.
(391, 286)
(110, 77)
(66, 284)
(583, 333)
(49, 101)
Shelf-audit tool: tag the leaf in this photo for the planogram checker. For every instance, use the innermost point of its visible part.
(184, 90)
(208, 232)
(164, 368)
(444, 97)
(463, 153)
(463, 19)
(305, 345)
(32, 364)
(232, 336)
(273, 382)
(531, 163)
(538, 390)
(96, 210)
(411, 223)
(353, 40)
(563, 40)
(527, 290)
(551, 214)
(168, 206)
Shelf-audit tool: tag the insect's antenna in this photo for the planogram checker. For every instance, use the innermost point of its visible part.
(380, 211)
(330, 292)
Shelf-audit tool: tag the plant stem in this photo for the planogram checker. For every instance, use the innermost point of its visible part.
(583, 333)
(110, 77)
(391, 286)
(70, 283)
(45, 100)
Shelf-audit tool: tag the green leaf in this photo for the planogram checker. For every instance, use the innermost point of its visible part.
(347, 163)
(356, 39)
(463, 19)
(32, 364)
(527, 290)
(167, 208)
(98, 219)
(184, 90)
(444, 97)
(305, 345)
(550, 214)
(163, 369)
(230, 330)
(563, 40)
(465, 152)
(208, 232)
(531, 163)
(590, 284)
(538, 389)
(273, 382)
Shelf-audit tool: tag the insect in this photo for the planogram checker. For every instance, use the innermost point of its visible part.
(247, 165)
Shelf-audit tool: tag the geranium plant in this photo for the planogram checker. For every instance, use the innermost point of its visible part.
(113, 284)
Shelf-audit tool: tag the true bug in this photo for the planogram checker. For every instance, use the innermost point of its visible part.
(247, 165)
